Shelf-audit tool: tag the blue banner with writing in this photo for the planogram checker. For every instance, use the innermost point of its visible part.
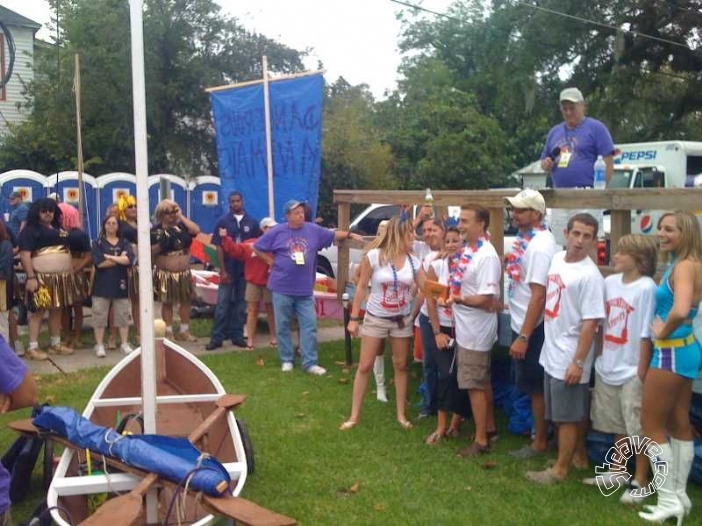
(296, 137)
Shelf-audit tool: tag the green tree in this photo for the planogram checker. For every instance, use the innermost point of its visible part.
(189, 46)
(438, 134)
(514, 57)
(353, 152)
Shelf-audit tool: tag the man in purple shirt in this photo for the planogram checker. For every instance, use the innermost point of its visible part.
(570, 153)
(294, 245)
(17, 389)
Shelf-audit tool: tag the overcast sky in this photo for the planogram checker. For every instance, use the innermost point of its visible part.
(356, 39)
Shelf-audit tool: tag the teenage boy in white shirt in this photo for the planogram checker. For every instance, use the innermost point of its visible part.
(527, 267)
(475, 288)
(573, 311)
(626, 349)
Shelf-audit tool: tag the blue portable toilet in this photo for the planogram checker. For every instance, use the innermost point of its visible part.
(179, 192)
(31, 185)
(205, 206)
(66, 186)
(110, 187)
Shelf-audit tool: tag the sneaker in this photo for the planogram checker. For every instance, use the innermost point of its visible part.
(317, 370)
(100, 351)
(126, 348)
(185, 337)
(19, 348)
(60, 349)
(286, 367)
(629, 498)
(36, 354)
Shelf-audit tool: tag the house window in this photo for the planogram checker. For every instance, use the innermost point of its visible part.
(2, 66)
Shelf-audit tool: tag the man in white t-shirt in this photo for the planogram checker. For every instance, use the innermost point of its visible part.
(474, 282)
(527, 267)
(573, 311)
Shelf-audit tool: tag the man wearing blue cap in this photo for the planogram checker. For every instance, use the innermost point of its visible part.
(294, 245)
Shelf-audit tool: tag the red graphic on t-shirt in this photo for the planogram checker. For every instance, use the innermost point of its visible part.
(394, 298)
(553, 296)
(617, 328)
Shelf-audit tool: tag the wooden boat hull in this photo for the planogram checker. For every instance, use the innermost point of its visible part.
(186, 394)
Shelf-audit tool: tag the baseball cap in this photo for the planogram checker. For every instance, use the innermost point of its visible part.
(571, 95)
(267, 222)
(15, 195)
(53, 196)
(291, 205)
(528, 199)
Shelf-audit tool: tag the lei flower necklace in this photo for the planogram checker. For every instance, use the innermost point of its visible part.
(514, 258)
(459, 263)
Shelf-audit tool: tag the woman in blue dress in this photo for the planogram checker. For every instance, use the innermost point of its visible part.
(677, 357)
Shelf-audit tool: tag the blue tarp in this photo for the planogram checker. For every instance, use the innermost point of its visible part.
(171, 458)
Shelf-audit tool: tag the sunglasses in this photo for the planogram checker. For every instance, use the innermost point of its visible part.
(131, 206)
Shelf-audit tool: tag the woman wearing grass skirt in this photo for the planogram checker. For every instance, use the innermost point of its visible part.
(51, 285)
(171, 238)
(392, 273)
(677, 358)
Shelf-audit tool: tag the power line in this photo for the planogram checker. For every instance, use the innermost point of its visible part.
(558, 13)
(602, 24)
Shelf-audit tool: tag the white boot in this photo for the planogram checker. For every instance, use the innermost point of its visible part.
(668, 504)
(683, 454)
(379, 373)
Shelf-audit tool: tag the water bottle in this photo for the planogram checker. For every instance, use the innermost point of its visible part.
(600, 179)
(429, 200)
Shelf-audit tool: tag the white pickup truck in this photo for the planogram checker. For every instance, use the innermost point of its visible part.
(366, 224)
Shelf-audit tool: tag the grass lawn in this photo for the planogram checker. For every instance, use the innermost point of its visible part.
(377, 473)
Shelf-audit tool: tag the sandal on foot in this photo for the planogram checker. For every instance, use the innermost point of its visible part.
(249, 347)
(273, 343)
(545, 477)
(452, 433)
(434, 439)
(405, 424)
(349, 424)
(474, 450)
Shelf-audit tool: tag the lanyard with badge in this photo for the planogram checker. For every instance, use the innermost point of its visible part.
(566, 155)
(297, 252)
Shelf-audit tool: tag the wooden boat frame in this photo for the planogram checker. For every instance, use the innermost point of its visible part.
(174, 366)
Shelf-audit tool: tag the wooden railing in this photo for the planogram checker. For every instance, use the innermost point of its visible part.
(620, 202)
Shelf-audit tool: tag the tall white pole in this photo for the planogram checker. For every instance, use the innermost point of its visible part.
(269, 147)
(146, 295)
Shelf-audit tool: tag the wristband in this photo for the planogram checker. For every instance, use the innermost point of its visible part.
(353, 318)
(436, 333)
(31, 277)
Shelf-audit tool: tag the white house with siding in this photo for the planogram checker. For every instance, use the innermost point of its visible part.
(22, 31)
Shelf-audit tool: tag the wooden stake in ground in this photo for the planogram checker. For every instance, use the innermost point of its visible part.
(79, 141)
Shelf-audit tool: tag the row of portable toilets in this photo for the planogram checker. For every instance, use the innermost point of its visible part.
(198, 197)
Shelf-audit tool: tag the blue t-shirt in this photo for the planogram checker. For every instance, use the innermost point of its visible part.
(590, 139)
(12, 374)
(292, 274)
(247, 228)
(17, 216)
